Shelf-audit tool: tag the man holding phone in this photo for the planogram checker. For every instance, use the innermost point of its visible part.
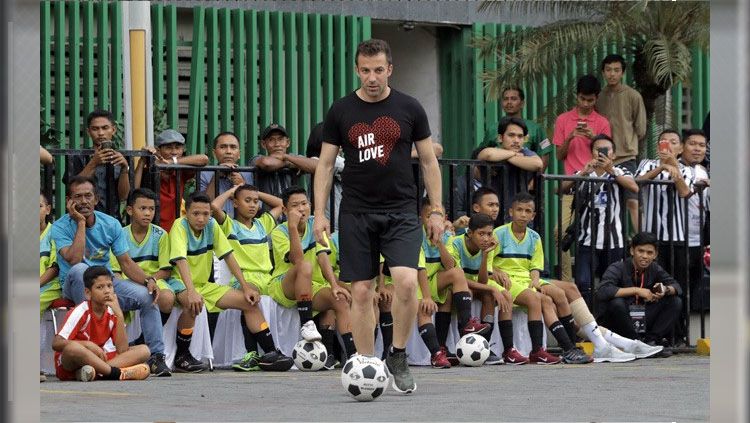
(108, 166)
(640, 283)
(574, 131)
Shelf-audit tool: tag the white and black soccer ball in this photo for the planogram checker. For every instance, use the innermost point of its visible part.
(309, 356)
(472, 350)
(364, 377)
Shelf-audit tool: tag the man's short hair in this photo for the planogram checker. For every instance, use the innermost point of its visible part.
(81, 179)
(644, 238)
(100, 113)
(603, 137)
(476, 198)
(521, 94)
(671, 131)
(523, 197)
(93, 272)
(373, 47)
(197, 197)
(613, 58)
(509, 120)
(141, 193)
(480, 220)
(289, 192)
(221, 134)
(690, 132)
(588, 85)
(244, 187)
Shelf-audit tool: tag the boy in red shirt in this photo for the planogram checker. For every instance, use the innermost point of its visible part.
(92, 341)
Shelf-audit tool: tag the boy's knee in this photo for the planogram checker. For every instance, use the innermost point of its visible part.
(304, 267)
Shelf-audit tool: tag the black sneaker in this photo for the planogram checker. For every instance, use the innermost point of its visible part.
(576, 356)
(493, 359)
(331, 363)
(397, 366)
(186, 363)
(158, 366)
(275, 361)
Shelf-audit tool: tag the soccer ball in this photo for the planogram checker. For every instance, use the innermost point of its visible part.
(472, 350)
(309, 356)
(364, 377)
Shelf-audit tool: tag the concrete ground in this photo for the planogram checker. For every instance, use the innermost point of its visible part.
(663, 389)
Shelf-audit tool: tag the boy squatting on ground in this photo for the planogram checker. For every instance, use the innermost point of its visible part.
(607, 344)
(148, 246)
(303, 274)
(193, 241)
(92, 341)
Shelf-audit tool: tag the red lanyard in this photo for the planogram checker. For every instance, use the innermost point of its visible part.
(643, 274)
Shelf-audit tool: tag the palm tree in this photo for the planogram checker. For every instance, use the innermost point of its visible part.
(658, 34)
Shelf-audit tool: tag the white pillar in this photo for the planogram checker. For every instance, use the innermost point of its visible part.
(136, 74)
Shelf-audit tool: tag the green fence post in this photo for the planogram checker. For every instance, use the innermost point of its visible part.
(102, 69)
(74, 80)
(88, 63)
(277, 48)
(306, 84)
(225, 79)
(212, 71)
(196, 80)
(45, 67)
(157, 53)
(328, 62)
(316, 68)
(116, 72)
(238, 77)
(173, 108)
(291, 93)
(254, 97)
(266, 67)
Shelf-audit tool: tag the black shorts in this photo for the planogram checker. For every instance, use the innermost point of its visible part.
(632, 166)
(363, 237)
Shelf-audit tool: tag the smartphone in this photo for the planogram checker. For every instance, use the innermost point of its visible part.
(603, 151)
(106, 145)
(581, 124)
(658, 288)
(664, 146)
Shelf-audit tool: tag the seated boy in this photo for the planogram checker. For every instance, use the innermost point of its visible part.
(519, 254)
(302, 274)
(49, 283)
(148, 245)
(248, 235)
(603, 339)
(473, 252)
(193, 241)
(92, 341)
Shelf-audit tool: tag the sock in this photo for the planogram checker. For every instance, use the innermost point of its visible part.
(619, 341)
(535, 333)
(570, 327)
(328, 336)
(386, 329)
(164, 318)
(114, 374)
(265, 340)
(506, 334)
(183, 341)
(559, 332)
(349, 344)
(442, 325)
(490, 320)
(251, 344)
(304, 308)
(429, 337)
(395, 350)
(594, 335)
(462, 302)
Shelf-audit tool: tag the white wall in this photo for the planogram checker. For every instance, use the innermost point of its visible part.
(415, 66)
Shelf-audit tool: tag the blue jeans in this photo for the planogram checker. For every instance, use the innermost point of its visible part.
(131, 297)
(601, 260)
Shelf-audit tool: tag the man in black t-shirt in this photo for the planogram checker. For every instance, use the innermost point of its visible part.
(376, 127)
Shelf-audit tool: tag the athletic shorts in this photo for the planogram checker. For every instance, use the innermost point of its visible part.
(63, 374)
(212, 293)
(173, 284)
(48, 293)
(363, 237)
(632, 166)
(259, 280)
(276, 291)
(439, 297)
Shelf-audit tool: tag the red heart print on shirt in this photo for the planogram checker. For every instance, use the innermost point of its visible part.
(375, 141)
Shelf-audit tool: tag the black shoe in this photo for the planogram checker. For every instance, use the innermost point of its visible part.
(275, 361)
(576, 356)
(158, 366)
(186, 363)
(331, 363)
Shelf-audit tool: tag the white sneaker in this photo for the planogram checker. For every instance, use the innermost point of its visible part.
(612, 354)
(309, 332)
(644, 350)
(85, 373)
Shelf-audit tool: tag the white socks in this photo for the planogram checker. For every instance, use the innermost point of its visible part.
(620, 342)
(594, 335)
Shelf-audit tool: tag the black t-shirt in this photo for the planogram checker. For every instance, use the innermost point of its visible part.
(377, 139)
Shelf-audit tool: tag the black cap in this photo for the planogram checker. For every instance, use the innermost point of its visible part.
(271, 128)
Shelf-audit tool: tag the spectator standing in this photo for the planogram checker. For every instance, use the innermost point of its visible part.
(107, 165)
(574, 131)
(623, 107)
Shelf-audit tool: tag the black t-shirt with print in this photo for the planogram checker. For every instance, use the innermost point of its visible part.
(377, 139)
